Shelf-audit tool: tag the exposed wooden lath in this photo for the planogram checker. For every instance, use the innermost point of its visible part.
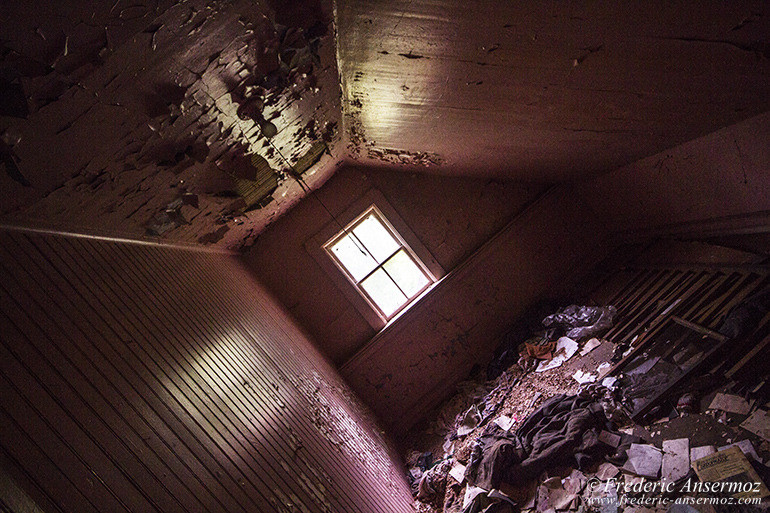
(665, 311)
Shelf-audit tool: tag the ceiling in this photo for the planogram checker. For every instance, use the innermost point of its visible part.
(143, 117)
(549, 90)
(150, 118)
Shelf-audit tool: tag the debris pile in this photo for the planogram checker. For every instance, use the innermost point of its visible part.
(559, 430)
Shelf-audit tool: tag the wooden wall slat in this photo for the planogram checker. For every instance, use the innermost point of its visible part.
(75, 326)
(298, 405)
(232, 353)
(175, 354)
(144, 378)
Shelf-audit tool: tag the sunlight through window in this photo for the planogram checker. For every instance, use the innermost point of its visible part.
(378, 263)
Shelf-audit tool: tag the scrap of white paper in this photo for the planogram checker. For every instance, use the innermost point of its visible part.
(584, 377)
(590, 346)
(458, 472)
(565, 349)
(505, 422)
(759, 424)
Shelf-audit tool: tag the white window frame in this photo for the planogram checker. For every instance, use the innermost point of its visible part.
(315, 246)
(348, 230)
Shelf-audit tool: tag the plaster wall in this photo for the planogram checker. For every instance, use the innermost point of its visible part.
(450, 216)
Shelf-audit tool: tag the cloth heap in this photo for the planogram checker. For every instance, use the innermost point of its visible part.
(563, 431)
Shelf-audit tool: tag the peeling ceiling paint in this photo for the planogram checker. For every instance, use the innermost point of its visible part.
(202, 121)
(145, 118)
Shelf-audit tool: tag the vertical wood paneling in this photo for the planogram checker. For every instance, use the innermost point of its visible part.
(140, 378)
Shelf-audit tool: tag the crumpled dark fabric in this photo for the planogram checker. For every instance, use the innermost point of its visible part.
(582, 321)
(433, 481)
(565, 430)
(746, 315)
(481, 505)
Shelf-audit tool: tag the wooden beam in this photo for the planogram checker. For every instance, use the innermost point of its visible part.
(698, 328)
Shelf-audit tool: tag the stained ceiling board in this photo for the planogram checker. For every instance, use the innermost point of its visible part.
(545, 91)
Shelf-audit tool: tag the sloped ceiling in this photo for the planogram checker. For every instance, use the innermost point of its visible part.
(147, 118)
(143, 117)
(549, 90)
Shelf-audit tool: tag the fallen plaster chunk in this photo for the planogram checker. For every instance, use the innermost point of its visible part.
(730, 403)
(610, 439)
(583, 377)
(590, 346)
(746, 446)
(676, 459)
(606, 471)
(552, 496)
(505, 422)
(565, 349)
(644, 460)
(458, 472)
(609, 382)
(603, 369)
(759, 424)
(697, 453)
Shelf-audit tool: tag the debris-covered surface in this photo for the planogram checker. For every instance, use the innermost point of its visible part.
(611, 459)
(195, 121)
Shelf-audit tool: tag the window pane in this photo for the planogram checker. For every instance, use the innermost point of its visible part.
(354, 257)
(384, 292)
(406, 273)
(376, 238)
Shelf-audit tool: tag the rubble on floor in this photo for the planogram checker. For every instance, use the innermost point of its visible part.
(559, 431)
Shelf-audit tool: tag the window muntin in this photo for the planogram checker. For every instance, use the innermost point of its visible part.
(379, 263)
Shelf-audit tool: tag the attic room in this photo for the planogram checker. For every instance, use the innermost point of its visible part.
(361, 256)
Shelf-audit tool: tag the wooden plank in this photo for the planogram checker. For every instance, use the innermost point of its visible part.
(691, 300)
(206, 435)
(674, 385)
(206, 379)
(57, 359)
(666, 294)
(631, 307)
(699, 329)
(704, 316)
(643, 340)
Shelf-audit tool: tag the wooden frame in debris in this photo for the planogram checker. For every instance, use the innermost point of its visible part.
(672, 314)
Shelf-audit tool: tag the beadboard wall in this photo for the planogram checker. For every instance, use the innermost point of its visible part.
(143, 378)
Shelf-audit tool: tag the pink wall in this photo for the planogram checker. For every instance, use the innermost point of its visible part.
(717, 183)
(413, 364)
(141, 378)
(452, 217)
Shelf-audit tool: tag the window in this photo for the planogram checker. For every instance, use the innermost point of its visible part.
(379, 263)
